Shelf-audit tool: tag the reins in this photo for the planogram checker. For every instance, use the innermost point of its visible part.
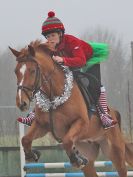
(51, 97)
(45, 80)
(51, 117)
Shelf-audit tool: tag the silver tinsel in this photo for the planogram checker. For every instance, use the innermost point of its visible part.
(44, 102)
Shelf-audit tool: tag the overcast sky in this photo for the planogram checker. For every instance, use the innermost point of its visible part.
(21, 20)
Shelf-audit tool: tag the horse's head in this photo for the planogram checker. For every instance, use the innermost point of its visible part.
(35, 68)
(28, 77)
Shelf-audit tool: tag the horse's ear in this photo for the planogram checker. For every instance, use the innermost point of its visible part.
(15, 52)
(31, 50)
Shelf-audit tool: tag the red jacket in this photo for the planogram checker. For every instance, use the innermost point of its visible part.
(77, 52)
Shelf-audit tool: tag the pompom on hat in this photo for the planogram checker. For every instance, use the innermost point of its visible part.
(52, 24)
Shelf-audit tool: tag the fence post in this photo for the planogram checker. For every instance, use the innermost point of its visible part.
(132, 55)
(22, 156)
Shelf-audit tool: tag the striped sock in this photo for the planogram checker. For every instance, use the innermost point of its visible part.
(105, 117)
(27, 120)
(103, 100)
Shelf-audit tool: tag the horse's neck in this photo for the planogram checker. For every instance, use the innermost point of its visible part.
(57, 80)
(53, 76)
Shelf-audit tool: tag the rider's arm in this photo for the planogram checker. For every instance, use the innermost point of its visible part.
(78, 58)
(78, 52)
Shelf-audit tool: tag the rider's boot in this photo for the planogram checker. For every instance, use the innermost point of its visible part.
(28, 119)
(106, 119)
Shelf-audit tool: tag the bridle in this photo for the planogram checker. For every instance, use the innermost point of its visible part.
(36, 85)
(39, 78)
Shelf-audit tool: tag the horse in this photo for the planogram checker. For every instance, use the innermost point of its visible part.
(82, 136)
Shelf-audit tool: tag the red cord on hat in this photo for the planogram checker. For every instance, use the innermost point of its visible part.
(51, 14)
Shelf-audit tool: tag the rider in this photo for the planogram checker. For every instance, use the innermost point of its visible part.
(74, 53)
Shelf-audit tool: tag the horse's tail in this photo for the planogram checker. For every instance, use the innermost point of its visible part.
(129, 153)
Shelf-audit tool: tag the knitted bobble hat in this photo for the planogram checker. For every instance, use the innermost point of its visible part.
(52, 24)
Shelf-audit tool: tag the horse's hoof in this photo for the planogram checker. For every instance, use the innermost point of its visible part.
(33, 156)
(83, 163)
(78, 160)
(37, 155)
(25, 169)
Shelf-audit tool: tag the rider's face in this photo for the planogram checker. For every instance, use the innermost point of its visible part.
(53, 38)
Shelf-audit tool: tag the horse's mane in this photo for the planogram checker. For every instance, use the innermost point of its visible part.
(37, 44)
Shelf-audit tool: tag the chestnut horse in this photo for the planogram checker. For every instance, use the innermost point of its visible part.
(69, 122)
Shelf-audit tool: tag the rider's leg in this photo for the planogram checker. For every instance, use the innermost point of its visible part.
(28, 119)
(106, 119)
(100, 96)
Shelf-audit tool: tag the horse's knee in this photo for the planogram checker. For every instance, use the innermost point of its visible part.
(67, 144)
(67, 141)
(25, 141)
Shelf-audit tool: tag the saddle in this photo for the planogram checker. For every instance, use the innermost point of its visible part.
(90, 89)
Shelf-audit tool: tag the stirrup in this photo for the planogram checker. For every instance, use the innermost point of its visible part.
(92, 108)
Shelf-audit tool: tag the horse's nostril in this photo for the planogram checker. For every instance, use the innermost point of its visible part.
(23, 104)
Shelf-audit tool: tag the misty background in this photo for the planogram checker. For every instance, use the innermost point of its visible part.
(99, 21)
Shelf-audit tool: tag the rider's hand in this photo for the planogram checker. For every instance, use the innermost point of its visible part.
(58, 59)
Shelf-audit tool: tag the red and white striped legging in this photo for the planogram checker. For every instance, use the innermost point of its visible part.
(104, 116)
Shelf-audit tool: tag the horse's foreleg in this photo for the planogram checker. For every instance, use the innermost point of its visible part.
(34, 132)
(73, 135)
(77, 130)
